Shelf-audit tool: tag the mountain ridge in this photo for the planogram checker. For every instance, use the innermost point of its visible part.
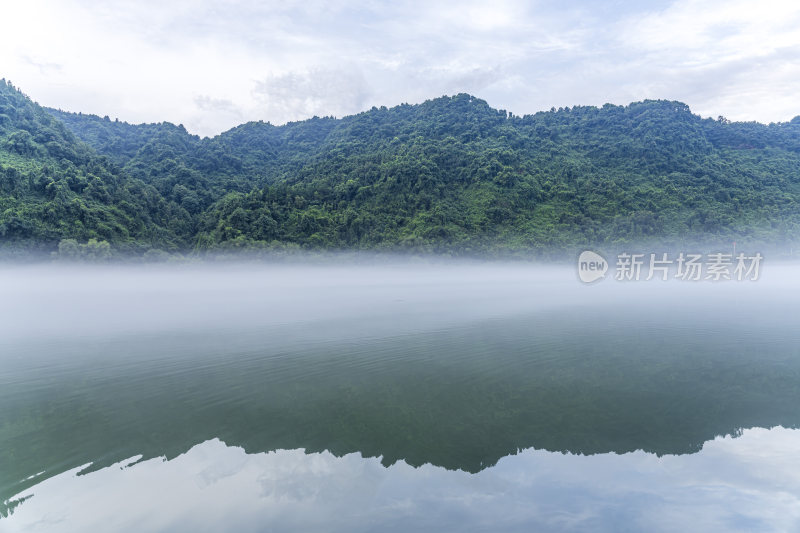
(450, 175)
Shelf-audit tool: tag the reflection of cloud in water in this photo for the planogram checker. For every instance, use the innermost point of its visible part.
(750, 483)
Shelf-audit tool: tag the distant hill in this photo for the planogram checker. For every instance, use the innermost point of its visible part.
(451, 175)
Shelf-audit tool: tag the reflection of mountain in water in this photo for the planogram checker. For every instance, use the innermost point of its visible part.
(749, 483)
(460, 398)
(663, 378)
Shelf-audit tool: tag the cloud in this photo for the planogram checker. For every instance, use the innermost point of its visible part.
(214, 111)
(44, 66)
(151, 60)
(722, 57)
(319, 91)
(206, 103)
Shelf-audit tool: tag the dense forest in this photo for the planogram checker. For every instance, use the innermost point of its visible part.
(451, 175)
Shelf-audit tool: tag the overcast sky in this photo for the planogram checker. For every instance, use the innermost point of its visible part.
(212, 64)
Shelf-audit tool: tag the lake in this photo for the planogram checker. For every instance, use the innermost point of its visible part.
(395, 395)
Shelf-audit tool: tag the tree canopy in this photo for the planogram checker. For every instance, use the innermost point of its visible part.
(450, 175)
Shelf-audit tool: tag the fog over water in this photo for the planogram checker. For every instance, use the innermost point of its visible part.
(74, 301)
(395, 395)
(55, 301)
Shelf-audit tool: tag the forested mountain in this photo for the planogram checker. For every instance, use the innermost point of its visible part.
(53, 186)
(449, 175)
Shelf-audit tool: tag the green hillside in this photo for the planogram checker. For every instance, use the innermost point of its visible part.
(450, 175)
(54, 187)
(454, 174)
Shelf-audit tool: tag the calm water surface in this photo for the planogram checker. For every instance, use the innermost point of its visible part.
(395, 397)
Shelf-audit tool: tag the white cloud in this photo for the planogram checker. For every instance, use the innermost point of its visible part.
(735, 58)
(152, 60)
(320, 91)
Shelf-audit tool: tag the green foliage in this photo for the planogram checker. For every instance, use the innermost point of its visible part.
(451, 175)
(54, 186)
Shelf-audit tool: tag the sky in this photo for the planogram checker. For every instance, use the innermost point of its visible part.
(213, 64)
